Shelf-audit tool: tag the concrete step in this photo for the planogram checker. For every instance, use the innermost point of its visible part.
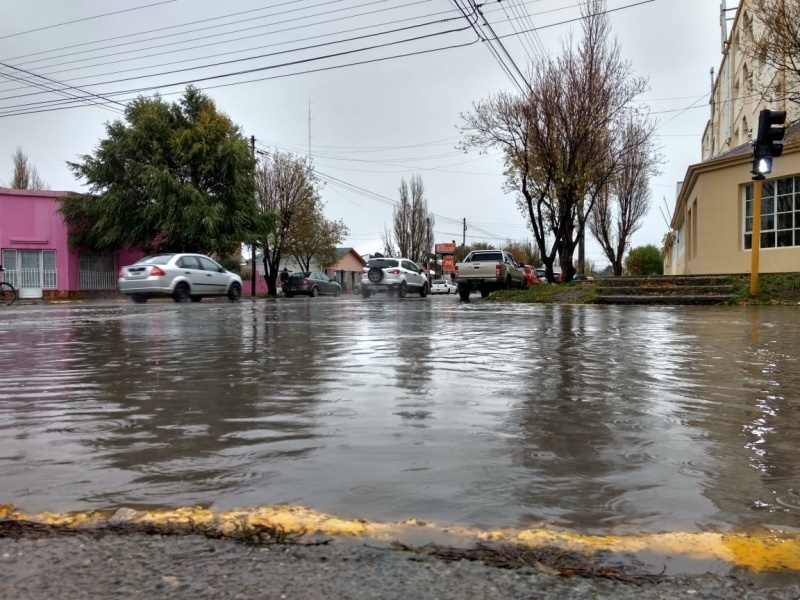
(665, 299)
(664, 280)
(666, 290)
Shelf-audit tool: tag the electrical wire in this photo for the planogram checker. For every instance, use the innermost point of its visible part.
(117, 12)
(38, 106)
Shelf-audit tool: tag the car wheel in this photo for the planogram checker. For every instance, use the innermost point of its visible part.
(234, 292)
(464, 295)
(314, 292)
(485, 292)
(508, 283)
(337, 292)
(195, 298)
(375, 274)
(402, 290)
(365, 294)
(288, 295)
(424, 291)
(139, 298)
(181, 293)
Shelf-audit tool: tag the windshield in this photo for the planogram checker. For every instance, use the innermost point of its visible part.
(298, 275)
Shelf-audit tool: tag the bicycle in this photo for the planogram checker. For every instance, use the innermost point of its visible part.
(8, 293)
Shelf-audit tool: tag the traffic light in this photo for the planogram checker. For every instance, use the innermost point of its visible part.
(768, 143)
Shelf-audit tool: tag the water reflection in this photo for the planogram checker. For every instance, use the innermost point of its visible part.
(589, 418)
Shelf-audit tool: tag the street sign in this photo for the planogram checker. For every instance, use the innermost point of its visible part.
(448, 264)
(448, 248)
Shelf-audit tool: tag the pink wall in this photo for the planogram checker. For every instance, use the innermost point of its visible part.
(29, 220)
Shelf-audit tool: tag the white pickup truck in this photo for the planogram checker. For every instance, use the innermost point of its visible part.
(487, 271)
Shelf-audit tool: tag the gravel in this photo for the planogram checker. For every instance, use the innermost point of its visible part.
(138, 566)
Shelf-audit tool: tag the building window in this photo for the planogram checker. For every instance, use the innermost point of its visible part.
(30, 268)
(97, 271)
(780, 213)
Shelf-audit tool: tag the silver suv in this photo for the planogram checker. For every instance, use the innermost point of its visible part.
(393, 276)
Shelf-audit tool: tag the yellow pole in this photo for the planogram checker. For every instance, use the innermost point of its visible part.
(755, 244)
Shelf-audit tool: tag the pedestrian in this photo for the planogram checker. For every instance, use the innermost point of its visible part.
(284, 276)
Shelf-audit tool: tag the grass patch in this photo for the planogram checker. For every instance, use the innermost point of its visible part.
(560, 293)
(773, 288)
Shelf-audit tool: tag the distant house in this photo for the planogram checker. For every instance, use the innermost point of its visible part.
(346, 269)
(35, 253)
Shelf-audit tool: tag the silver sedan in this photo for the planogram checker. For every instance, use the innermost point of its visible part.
(181, 276)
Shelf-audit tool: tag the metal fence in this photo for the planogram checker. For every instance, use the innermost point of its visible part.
(31, 278)
(97, 280)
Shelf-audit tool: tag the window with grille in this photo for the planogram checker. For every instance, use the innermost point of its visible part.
(97, 271)
(780, 213)
(30, 268)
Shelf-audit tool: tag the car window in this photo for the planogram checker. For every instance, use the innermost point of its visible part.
(410, 266)
(486, 256)
(207, 264)
(188, 262)
(159, 259)
(382, 263)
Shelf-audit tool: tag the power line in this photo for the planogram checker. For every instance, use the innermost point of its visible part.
(117, 38)
(238, 51)
(40, 104)
(5, 37)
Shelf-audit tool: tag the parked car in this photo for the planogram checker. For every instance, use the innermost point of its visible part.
(182, 276)
(580, 278)
(311, 283)
(393, 276)
(443, 286)
(531, 278)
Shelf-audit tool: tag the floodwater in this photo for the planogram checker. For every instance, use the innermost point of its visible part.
(587, 418)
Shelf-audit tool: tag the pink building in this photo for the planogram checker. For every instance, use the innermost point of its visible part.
(36, 255)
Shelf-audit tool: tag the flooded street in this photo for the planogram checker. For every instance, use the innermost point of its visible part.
(586, 418)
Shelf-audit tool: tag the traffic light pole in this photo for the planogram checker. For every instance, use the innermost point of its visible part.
(755, 243)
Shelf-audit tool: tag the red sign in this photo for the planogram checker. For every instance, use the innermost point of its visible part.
(447, 248)
(448, 264)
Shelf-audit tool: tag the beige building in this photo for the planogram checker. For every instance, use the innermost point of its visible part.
(712, 220)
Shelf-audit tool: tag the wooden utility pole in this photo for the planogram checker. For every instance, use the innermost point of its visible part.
(253, 249)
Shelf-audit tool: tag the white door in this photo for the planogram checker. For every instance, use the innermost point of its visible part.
(30, 274)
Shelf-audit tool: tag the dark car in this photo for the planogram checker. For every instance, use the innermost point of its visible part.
(311, 283)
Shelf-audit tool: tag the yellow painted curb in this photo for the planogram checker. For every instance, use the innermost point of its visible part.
(770, 551)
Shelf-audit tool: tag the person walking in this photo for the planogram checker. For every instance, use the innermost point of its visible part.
(284, 276)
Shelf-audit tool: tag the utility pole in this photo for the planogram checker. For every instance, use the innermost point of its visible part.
(309, 128)
(464, 238)
(253, 249)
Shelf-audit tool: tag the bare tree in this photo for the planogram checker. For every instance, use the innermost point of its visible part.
(412, 223)
(287, 189)
(25, 176)
(774, 40)
(562, 140)
(623, 203)
(313, 237)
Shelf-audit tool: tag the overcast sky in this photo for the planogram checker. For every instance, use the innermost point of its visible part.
(370, 124)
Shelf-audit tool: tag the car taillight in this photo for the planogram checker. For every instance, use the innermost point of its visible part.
(456, 269)
(305, 282)
(364, 271)
(394, 271)
(498, 270)
(121, 274)
(156, 272)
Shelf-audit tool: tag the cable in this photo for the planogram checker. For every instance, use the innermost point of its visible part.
(280, 53)
(5, 37)
(218, 54)
(260, 69)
